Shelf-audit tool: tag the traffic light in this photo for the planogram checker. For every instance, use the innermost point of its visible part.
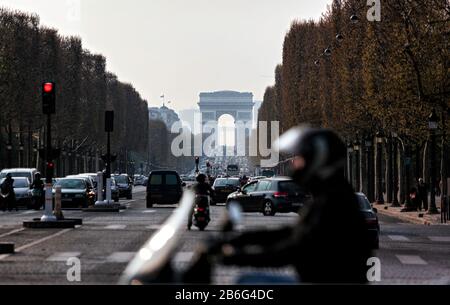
(50, 169)
(49, 98)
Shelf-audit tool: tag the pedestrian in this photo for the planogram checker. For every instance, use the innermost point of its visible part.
(415, 201)
(7, 194)
(422, 188)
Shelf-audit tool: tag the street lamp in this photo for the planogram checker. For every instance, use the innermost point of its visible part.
(9, 148)
(357, 149)
(354, 19)
(433, 123)
(339, 37)
(380, 139)
(368, 143)
(350, 163)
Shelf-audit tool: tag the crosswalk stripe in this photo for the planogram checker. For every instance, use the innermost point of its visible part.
(149, 211)
(121, 257)
(63, 256)
(153, 227)
(29, 212)
(411, 260)
(115, 227)
(398, 238)
(12, 232)
(440, 238)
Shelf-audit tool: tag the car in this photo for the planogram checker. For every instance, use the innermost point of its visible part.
(91, 182)
(270, 196)
(139, 180)
(125, 185)
(75, 192)
(22, 191)
(164, 187)
(114, 190)
(20, 172)
(223, 187)
(371, 218)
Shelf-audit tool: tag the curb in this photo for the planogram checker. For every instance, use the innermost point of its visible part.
(60, 224)
(405, 217)
(7, 248)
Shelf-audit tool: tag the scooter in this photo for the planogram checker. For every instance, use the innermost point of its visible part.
(201, 212)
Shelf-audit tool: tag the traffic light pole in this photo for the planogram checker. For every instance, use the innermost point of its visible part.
(48, 214)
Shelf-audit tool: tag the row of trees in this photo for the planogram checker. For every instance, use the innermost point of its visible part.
(360, 77)
(31, 54)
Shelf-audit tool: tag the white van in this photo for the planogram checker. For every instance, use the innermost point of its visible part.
(20, 172)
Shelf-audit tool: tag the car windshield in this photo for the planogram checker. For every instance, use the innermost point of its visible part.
(21, 183)
(71, 184)
(156, 180)
(121, 179)
(364, 203)
(225, 182)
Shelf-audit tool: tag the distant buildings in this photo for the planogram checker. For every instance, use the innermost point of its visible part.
(167, 115)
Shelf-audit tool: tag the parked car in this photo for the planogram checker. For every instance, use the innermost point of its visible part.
(139, 180)
(371, 217)
(125, 185)
(271, 196)
(164, 187)
(22, 191)
(223, 187)
(75, 193)
(114, 190)
(20, 172)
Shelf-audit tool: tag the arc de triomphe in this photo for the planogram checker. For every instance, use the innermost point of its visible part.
(239, 105)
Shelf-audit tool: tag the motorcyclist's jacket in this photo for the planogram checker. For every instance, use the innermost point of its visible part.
(327, 245)
(7, 187)
(37, 184)
(203, 189)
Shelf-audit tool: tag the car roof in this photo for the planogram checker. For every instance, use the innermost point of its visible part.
(13, 170)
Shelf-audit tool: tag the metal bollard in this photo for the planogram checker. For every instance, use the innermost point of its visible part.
(48, 214)
(58, 211)
(99, 189)
(108, 192)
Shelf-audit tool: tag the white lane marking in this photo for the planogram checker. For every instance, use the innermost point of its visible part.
(184, 257)
(37, 242)
(154, 227)
(12, 232)
(115, 227)
(411, 260)
(121, 257)
(149, 211)
(63, 256)
(398, 238)
(444, 239)
(29, 212)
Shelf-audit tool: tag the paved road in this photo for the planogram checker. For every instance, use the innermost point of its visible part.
(106, 242)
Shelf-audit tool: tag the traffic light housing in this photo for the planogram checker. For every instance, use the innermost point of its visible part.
(49, 98)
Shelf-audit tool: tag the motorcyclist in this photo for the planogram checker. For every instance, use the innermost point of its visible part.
(38, 191)
(201, 188)
(7, 188)
(328, 244)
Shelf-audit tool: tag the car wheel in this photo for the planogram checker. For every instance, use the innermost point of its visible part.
(268, 209)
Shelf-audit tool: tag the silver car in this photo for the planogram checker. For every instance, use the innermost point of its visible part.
(22, 191)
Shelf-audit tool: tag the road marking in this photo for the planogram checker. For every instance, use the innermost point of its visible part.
(149, 211)
(411, 260)
(63, 256)
(12, 232)
(115, 227)
(154, 227)
(444, 239)
(183, 257)
(398, 238)
(121, 257)
(29, 212)
(37, 242)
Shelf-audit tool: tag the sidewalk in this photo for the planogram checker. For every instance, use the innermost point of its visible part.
(421, 218)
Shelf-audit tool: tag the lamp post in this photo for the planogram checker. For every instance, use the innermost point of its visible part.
(357, 149)
(9, 148)
(350, 163)
(380, 139)
(395, 202)
(21, 149)
(433, 126)
(369, 169)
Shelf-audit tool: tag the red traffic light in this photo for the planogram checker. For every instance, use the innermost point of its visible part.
(48, 87)
(50, 165)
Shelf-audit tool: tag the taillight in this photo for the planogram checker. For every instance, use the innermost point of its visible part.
(200, 209)
(371, 221)
(280, 194)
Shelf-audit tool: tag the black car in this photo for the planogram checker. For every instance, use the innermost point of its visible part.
(223, 187)
(125, 186)
(270, 196)
(371, 217)
(164, 187)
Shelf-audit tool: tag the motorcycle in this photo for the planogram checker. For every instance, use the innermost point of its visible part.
(201, 212)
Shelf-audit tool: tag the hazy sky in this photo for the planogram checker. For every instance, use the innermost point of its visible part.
(181, 47)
